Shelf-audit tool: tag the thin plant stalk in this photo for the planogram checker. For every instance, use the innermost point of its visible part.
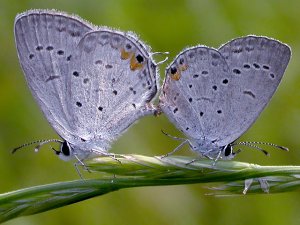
(127, 171)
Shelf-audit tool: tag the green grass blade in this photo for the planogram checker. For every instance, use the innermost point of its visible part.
(135, 171)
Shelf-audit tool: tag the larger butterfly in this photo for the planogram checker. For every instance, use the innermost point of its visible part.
(91, 82)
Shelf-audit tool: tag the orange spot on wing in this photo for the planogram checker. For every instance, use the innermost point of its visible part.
(176, 76)
(125, 55)
(134, 64)
(183, 67)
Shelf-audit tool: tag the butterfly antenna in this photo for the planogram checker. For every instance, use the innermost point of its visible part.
(262, 143)
(40, 143)
(269, 144)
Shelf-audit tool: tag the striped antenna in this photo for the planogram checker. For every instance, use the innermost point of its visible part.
(253, 144)
(40, 143)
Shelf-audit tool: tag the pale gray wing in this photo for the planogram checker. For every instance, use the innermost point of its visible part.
(257, 65)
(196, 92)
(46, 40)
(112, 81)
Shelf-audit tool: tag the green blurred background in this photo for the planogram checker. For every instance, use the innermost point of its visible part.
(166, 26)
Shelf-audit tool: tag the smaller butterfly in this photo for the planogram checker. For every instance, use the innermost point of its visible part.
(214, 96)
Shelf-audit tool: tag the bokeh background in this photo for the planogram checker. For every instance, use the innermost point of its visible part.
(169, 25)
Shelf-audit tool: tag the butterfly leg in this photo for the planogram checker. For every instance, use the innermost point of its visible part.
(217, 158)
(78, 171)
(176, 149)
(111, 155)
(80, 162)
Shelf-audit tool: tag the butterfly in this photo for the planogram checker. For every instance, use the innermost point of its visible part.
(91, 82)
(213, 95)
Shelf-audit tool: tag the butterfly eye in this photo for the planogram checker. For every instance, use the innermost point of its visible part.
(65, 148)
(228, 150)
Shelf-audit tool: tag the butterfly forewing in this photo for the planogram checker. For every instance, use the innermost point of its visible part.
(257, 65)
(45, 43)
